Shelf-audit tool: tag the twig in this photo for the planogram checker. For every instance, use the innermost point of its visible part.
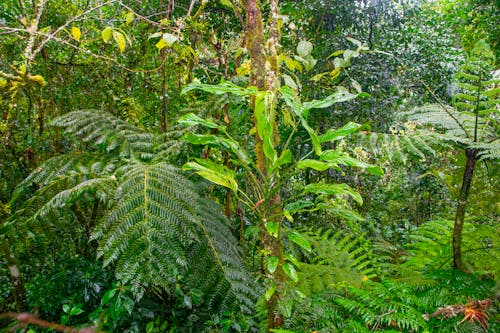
(31, 319)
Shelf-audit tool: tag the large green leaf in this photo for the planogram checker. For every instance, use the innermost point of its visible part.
(272, 264)
(337, 157)
(300, 112)
(214, 172)
(340, 133)
(191, 119)
(334, 189)
(264, 119)
(221, 88)
(300, 240)
(285, 158)
(219, 142)
(290, 272)
(315, 165)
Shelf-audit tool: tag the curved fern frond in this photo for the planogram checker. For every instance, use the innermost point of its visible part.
(151, 225)
(109, 132)
(227, 257)
(160, 230)
(443, 117)
(407, 145)
(384, 305)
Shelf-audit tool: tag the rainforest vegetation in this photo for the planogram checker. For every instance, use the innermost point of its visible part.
(249, 166)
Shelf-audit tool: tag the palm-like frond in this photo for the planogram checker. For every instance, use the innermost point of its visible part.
(227, 257)
(108, 132)
(154, 227)
(150, 226)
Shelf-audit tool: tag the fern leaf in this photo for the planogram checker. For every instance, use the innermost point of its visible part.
(111, 133)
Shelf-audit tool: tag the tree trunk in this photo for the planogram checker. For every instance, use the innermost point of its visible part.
(461, 206)
(263, 79)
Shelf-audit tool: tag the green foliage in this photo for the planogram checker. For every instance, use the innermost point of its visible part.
(473, 119)
(155, 226)
(73, 282)
(337, 259)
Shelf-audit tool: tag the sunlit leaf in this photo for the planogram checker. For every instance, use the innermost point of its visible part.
(272, 264)
(272, 228)
(214, 172)
(76, 33)
(106, 34)
(304, 48)
(339, 133)
(191, 119)
(120, 40)
(290, 272)
(129, 18)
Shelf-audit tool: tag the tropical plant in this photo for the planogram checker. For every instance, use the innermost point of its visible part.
(153, 227)
(471, 124)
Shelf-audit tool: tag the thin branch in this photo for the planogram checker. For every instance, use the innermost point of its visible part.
(33, 29)
(31, 319)
(144, 18)
(65, 25)
(97, 56)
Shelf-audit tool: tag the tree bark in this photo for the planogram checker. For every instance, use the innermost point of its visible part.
(461, 207)
(266, 79)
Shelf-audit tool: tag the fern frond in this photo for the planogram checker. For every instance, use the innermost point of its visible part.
(488, 151)
(159, 230)
(336, 259)
(227, 257)
(112, 134)
(149, 228)
(406, 145)
(443, 117)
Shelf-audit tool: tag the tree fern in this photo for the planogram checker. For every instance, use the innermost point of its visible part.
(472, 119)
(383, 305)
(155, 228)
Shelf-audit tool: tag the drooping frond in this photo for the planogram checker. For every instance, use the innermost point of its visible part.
(402, 146)
(152, 224)
(488, 151)
(445, 118)
(160, 230)
(108, 132)
(215, 264)
(474, 113)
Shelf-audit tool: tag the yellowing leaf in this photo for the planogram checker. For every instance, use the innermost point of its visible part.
(161, 44)
(244, 68)
(120, 40)
(76, 33)
(38, 79)
(106, 34)
(226, 3)
(129, 18)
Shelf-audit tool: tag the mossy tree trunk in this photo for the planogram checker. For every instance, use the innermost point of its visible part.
(267, 79)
